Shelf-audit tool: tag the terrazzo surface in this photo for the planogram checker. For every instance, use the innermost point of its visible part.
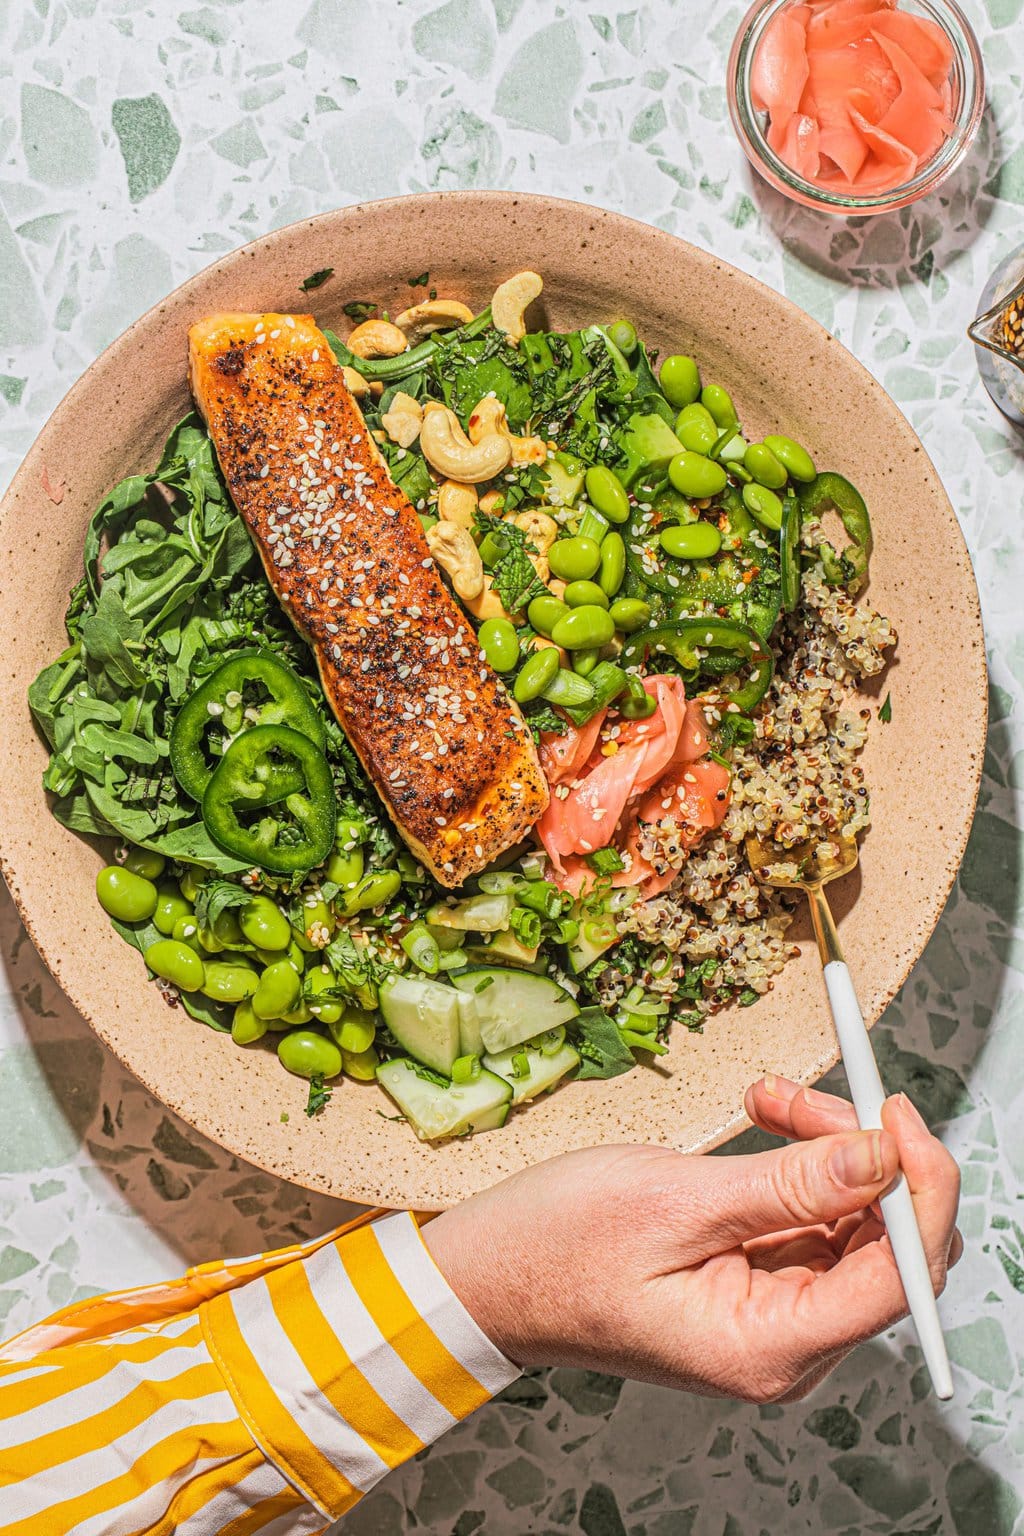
(139, 141)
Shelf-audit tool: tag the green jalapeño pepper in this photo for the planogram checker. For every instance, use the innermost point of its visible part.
(253, 688)
(790, 552)
(246, 815)
(850, 568)
(709, 647)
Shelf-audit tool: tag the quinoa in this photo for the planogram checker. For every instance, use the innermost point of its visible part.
(797, 779)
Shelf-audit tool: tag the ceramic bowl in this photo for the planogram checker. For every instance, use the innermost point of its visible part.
(784, 373)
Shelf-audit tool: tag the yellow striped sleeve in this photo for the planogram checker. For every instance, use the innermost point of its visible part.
(282, 1389)
(346, 1369)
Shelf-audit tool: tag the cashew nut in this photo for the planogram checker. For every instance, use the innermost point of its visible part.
(543, 643)
(488, 605)
(401, 421)
(457, 503)
(453, 549)
(557, 588)
(492, 502)
(489, 416)
(449, 450)
(377, 338)
(354, 382)
(510, 302)
(433, 315)
(540, 529)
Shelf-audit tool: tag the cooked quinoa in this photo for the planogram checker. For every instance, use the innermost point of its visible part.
(797, 779)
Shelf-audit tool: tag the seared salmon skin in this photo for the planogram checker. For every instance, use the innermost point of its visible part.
(445, 746)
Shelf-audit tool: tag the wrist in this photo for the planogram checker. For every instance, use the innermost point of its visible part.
(472, 1266)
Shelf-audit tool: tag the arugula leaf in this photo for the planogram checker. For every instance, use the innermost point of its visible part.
(215, 1015)
(316, 279)
(319, 1096)
(602, 1050)
(695, 979)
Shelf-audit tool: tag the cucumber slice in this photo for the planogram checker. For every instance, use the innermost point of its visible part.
(584, 951)
(513, 1006)
(544, 1073)
(486, 913)
(423, 1016)
(470, 1041)
(435, 1111)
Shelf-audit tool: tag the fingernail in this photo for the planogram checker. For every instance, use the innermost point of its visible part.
(858, 1162)
(908, 1108)
(771, 1085)
(816, 1100)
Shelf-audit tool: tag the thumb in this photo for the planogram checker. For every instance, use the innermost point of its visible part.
(797, 1186)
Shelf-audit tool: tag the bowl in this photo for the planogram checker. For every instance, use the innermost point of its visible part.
(784, 371)
(968, 103)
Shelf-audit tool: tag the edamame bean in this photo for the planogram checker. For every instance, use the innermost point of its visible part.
(130, 898)
(579, 592)
(264, 924)
(691, 541)
(499, 643)
(629, 613)
(692, 475)
(680, 379)
(186, 931)
(544, 613)
(574, 559)
(791, 456)
(696, 429)
(302, 1013)
(764, 466)
(226, 930)
(344, 868)
(763, 504)
(188, 883)
(317, 925)
(143, 861)
(170, 907)
(538, 669)
(373, 890)
(607, 493)
(356, 1030)
(307, 1054)
(278, 990)
(361, 1065)
(175, 963)
(319, 981)
(613, 565)
(584, 662)
(719, 402)
(581, 629)
(623, 335)
(246, 1028)
(228, 983)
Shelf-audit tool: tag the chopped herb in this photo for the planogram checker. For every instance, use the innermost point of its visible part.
(427, 1074)
(419, 282)
(316, 279)
(319, 1096)
(601, 1047)
(359, 309)
(513, 576)
(885, 713)
(285, 1117)
(748, 997)
(541, 717)
(481, 986)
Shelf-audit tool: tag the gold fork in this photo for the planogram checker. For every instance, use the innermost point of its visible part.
(809, 867)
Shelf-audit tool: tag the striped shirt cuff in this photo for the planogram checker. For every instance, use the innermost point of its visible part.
(347, 1362)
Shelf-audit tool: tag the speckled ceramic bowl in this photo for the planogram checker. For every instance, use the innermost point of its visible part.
(785, 372)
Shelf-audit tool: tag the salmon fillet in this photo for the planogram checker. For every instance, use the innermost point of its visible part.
(446, 748)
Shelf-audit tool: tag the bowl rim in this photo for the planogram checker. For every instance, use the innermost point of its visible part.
(968, 59)
(358, 1186)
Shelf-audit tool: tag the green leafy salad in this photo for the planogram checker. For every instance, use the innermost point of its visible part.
(632, 565)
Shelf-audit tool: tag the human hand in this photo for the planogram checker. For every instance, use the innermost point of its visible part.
(746, 1277)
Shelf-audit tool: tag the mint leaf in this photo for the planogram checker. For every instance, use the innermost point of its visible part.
(601, 1047)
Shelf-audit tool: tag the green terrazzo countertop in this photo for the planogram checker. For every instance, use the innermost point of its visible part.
(139, 141)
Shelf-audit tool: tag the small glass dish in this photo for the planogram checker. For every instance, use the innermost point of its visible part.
(998, 336)
(968, 103)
